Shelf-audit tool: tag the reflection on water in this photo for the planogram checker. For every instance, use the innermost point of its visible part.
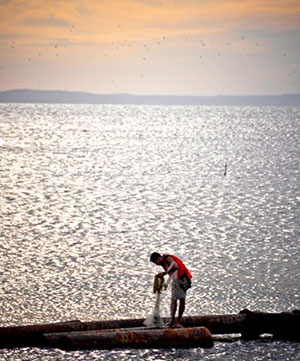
(88, 192)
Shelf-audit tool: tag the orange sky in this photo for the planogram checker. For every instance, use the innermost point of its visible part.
(151, 46)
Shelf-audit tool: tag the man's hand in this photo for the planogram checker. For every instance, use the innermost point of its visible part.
(161, 274)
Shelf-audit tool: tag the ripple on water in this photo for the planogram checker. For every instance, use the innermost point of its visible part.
(88, 192)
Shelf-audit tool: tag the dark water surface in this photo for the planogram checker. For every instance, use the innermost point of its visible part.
(89, 191)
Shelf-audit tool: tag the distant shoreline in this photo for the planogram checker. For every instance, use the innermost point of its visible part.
(73, 97)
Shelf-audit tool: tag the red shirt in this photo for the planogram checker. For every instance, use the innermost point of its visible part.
(181, 266)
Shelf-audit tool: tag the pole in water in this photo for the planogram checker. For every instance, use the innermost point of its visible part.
(225, 171)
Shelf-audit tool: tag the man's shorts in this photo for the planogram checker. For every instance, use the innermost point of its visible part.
(177, 292)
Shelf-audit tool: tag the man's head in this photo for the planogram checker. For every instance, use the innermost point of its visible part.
(156, 258)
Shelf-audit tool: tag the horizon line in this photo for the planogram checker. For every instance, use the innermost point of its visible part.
(149, 94)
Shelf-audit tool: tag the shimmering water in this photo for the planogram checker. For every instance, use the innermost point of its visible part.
(89, 191)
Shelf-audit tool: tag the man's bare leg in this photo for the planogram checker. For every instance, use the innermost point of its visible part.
(180, 313)
(173, 312)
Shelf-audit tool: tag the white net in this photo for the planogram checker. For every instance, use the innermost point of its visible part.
(159, 286)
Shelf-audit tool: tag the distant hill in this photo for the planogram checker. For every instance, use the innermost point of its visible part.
(61, 97)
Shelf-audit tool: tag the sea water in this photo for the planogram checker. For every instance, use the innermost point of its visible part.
(88, 192)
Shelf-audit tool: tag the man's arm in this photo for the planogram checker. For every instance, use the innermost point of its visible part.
(171, 269)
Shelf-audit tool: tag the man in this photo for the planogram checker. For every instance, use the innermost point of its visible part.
(181, 276)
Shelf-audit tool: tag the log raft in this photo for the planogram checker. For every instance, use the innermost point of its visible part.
(250, 325)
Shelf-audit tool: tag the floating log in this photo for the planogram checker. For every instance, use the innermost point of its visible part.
(32, 335)
(133, 338)
(250, 325)
(217, 324)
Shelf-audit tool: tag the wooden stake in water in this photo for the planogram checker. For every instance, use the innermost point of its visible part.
(225, 171)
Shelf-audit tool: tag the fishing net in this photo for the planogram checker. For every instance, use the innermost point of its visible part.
(154, 320)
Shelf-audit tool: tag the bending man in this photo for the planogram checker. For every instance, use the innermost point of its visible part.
(176, 269)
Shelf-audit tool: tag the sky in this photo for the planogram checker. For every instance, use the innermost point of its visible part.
(167, 47)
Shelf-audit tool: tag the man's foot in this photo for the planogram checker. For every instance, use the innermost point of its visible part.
(170, 324)
(177, 325)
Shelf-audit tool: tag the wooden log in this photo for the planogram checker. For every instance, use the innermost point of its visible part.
(284, 325)
(114, 324)
(217, 324)
(133, 338)
(31, 335)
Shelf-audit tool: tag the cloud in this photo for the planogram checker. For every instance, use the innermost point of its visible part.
(141, 20)
(48, 21)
